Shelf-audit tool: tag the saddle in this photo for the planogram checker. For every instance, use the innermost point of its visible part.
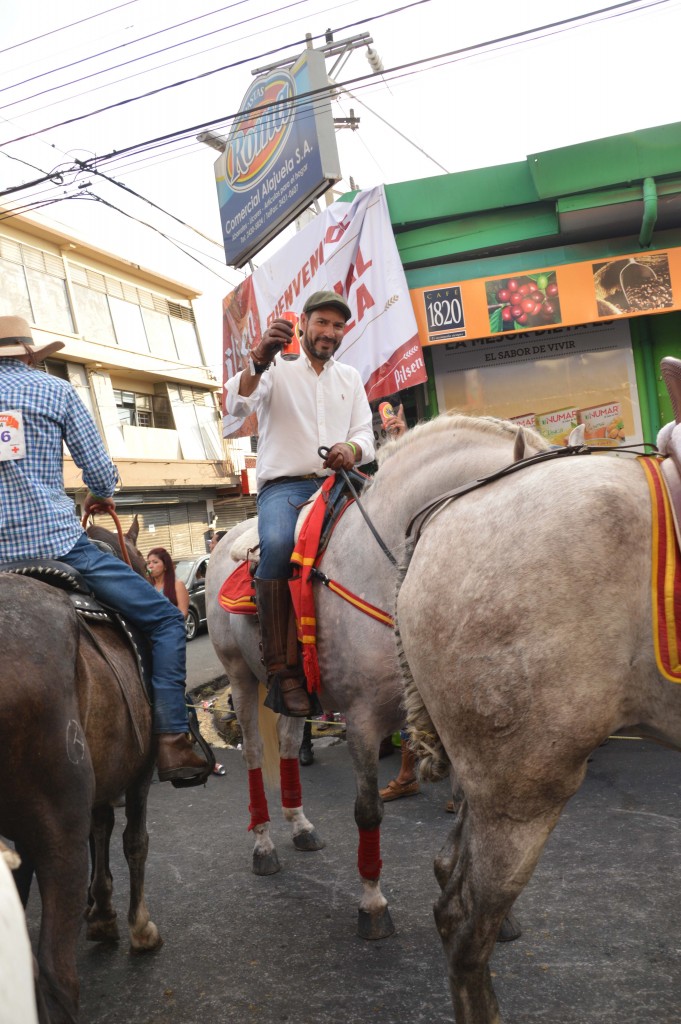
(64, 577)
(669, 440)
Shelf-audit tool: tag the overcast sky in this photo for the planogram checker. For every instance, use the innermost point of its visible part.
(612, 73)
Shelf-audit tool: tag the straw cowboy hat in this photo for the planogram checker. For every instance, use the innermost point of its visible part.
(16, 339)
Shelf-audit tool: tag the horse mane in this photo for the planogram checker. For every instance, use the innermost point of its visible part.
(447, 423)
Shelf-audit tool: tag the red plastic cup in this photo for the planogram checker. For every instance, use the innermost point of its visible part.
(292, 350)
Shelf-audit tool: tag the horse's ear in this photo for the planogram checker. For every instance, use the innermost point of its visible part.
(133, 532)
(520, 447)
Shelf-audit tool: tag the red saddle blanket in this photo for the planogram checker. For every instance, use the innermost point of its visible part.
(236, 593)
(666, 576)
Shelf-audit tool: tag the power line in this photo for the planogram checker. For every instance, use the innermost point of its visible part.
(62, 28)
(158, 67)
(214, 71)
(397, 71)
(112, 49)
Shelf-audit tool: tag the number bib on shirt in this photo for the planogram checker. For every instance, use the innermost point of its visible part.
(12, 444)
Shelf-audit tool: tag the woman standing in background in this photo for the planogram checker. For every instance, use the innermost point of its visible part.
(162, 575)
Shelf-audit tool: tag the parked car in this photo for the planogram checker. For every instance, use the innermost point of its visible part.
(192, 572)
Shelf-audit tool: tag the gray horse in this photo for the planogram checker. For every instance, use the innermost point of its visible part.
(358, 656)
(528, 644)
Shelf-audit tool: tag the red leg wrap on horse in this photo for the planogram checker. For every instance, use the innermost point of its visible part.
(291, 792)
(258, 805)
(369, 853)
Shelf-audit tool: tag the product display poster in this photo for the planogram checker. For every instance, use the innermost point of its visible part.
(549, 380)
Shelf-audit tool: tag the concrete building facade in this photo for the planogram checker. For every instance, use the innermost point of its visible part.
(133, 353)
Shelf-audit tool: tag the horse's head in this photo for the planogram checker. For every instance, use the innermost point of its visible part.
(110, 538)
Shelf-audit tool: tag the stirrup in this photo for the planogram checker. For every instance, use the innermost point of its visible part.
(199, 780)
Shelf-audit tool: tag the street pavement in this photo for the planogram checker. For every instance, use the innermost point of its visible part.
(601, 924)
(203, 665)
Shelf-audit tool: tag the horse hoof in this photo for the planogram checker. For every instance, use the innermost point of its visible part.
(138, 948)
(266, 863)
(308, 841)
(510, 929)
(102, 931)
(374, 926)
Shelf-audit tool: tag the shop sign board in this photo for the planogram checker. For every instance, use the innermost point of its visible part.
(281, 154)
(349, 248)
(523, 301)
(551, 380)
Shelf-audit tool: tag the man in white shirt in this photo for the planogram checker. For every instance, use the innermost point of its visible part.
(301, 404)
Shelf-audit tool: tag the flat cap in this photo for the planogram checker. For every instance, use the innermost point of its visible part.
(320, 299)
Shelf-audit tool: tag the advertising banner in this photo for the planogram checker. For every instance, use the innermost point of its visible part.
(280, 155)
(351, 249)
(550, 380)
(576, 293)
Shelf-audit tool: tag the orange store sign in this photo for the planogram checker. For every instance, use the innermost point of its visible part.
(575, 293)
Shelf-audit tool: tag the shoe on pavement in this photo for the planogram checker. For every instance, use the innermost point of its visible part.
(396, 790)
(306, 754)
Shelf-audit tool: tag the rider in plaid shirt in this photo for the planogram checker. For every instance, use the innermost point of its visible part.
(38, 520)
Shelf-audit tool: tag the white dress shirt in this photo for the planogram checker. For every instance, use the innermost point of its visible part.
(299, 410)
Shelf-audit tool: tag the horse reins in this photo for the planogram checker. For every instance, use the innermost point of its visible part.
(323, 454)
(119, 530)
(423, 515)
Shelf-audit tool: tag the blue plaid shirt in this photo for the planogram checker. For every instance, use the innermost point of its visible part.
(37, 518)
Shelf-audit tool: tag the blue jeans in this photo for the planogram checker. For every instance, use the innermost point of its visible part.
(117, 585)
(278, 508)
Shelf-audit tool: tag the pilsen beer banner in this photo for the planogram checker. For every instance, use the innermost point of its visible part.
(576, 293)
(351, 249)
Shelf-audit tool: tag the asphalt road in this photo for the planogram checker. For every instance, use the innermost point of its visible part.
(203, 666)
(602, 928)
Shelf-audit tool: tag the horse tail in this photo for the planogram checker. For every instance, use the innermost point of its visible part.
(267, 725)
(433, 762)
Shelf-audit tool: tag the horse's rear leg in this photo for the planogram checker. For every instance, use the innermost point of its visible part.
(58, 847)
(100, 915)
(305, 836)
(144, 935)
(482, 869)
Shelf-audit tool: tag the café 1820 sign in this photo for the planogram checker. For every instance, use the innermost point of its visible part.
(280, 155)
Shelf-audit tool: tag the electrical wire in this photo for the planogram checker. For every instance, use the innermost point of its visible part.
(62, 28)
(120, 46)
(406, 70)
(214, 71)
(317, 93)
(133, 60)
(178, 60)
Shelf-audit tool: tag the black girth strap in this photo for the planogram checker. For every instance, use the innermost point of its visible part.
(422, 516)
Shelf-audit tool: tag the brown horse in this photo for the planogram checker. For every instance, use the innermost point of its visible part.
(75, 731)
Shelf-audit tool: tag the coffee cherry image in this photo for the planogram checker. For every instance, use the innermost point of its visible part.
(552, 289)
(506, 314)
(503, 295)
(516, 311)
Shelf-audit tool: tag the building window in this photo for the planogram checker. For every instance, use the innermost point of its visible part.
(134, 409)
(119, 313)
(34, 286)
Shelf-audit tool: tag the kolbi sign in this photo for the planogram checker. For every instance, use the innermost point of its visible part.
(280, 155)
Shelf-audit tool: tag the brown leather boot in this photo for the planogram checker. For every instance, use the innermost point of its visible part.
(279, 650)
(176, 758)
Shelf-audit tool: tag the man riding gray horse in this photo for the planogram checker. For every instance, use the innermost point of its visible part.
(38, 520)
(301, 405)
